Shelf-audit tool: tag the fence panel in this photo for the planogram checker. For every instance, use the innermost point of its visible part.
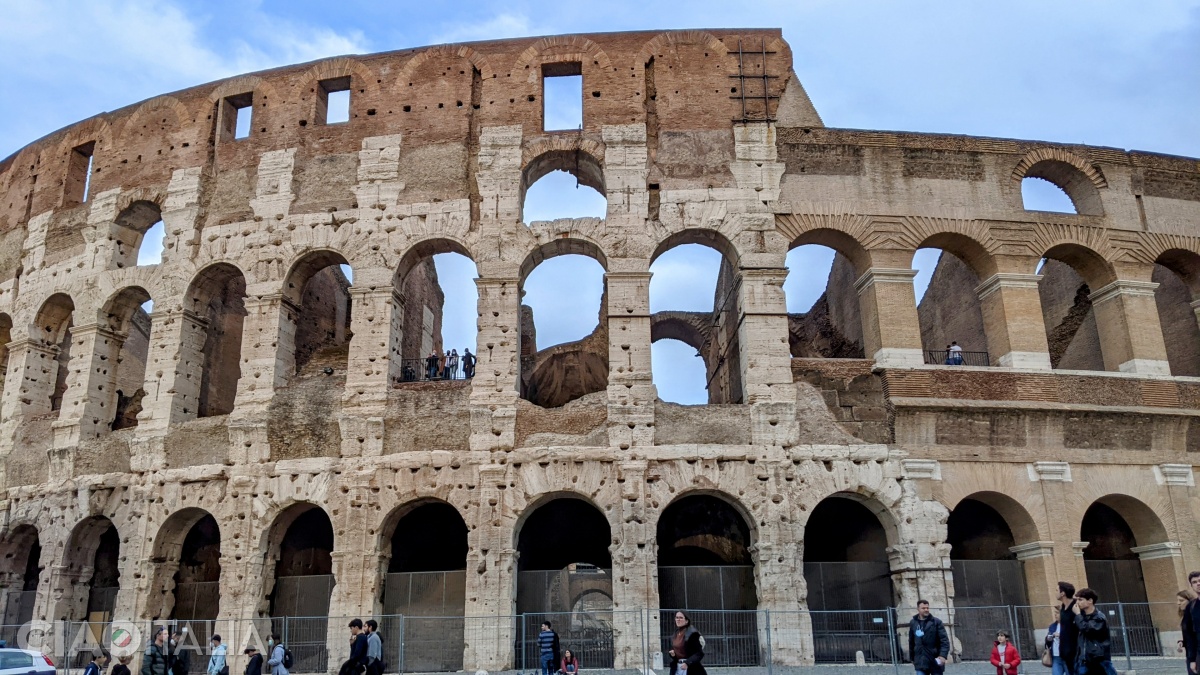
(731, 637)
(838, 636)
(1137, 625)
(306, 638)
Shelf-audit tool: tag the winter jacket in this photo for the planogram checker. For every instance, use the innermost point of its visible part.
(932, 642)
(694, 651)
(1011, 657)
(1068, 640)
(216, 662)
(154, 662)
(276, 661)
(1190, 625)
(1095, 646)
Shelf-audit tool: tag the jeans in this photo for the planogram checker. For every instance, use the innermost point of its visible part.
(1060, 666)
(549, 667)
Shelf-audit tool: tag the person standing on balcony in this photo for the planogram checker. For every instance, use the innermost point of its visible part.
(928, 642)
(548, 649)
(468, 361)
(956, 354)
(1191, 626)
(687, 648)
(431, 366)
(452, 364)
(1068, 633)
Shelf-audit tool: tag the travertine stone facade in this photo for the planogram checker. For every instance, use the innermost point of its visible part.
(441, 145)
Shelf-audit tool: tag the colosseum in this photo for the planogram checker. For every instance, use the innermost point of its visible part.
(243, 438)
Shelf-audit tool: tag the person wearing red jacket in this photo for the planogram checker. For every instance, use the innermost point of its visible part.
(1005, 656)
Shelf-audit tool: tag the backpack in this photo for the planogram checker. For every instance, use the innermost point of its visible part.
(287, 662)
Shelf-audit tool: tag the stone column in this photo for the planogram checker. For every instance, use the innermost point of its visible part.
(90, 401)
(494, 389)
(891, 332)
(374, 365)
(635, 572)
(490, 583)
(1163, 574)
(1012, 321)
(631, 391)
(32, 371)
(270, 321)
(1130, 333)
(766, 357)
(174, 369)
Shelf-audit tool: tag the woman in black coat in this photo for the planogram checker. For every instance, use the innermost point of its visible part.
(687, 649)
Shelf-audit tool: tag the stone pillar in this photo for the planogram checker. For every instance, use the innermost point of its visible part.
(631, 391)
(270, 321)
(1164, 574)
(174, 369)
(778, 557)
(494, 387)
(1179, 481)
(1130, 333)
(490, 582)
(1066, 561)
(90, 401)
(1012, 321)
(766, 358)
(1037, 562)
(32, 371)
(635, 572)
(891, 332)
(374, 365)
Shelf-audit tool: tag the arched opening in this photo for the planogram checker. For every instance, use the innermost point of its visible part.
(301, 543)
(706, 569)
(824, 319)
(139, 235)
(1046, 183)
(197, 592)
(849, 580)
(564, 323)
(22, 555)
(1126, 545)
(564, 573)
(1177, 273)
(217, 298)
(1070, 273)
(695, 281)
(319, 292)
(53, 329)
(425, 582)
(5, 338)
(438, 321)
(988, 577)
(949, 269)
(129, 322)
(563, 184)
(92, 574)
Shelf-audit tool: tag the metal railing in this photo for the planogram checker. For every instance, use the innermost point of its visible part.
(616, 640)
(943, 357)
(422, 370)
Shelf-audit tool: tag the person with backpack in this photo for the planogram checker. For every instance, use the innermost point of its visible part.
(216, 661)
(281, 658)
(99, 660)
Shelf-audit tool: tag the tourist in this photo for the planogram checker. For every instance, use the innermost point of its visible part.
(548, 649)
(431, 366)
(216, 660)
(687, 647)
(468, 361)
(1094, 652)
(956, 354)
(452, 364)
(374, 649)
(255, 663)
(1191, 625)
(357, 662)
(569, 664)
(1068, 639)
(949, 361)
(154, 660)
(122, 667)
(277, 655)
(179, 656)
(99, 660)
(928, 642)
(1004, 655)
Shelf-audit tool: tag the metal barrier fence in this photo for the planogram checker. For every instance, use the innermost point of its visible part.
(422, 370)
(604, 640)
(943, 357)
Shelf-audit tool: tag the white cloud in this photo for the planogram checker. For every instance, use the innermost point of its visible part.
(504, 25)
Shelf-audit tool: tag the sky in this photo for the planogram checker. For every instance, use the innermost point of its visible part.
(1119, 74)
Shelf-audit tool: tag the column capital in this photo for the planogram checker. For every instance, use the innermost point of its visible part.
(1166, 549)
(1006, 280)
(1078, 547)
(880, 275)
(915, 469)
(1123, 287)
(1175, 474)
(33, 344)
(1033, 550)
(1049, 471)
(253, 302)
(97, 329)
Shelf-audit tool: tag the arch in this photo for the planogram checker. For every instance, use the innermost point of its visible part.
(185, 566)
(1090, 265)
(333, 68)
(20, 567)
(1039, 156)
(1080, 184)
(118, 311)
(588, 168)
(427, 248)
(53, 320)
(844, 243)
(165, 105)
(6, 325)
(1015, 515)
(543, 500)
(871, 502)
(167, 543)
(1185, 264)
(478, 61)
(562, 246)
(683, 37)
(560, 48)
(1146, 525)
(305, 267)
(728, 507)
(691, 328)
(208, 283)
(300, 543)
(217, 295)
(967, 249)
(446, 514)
(91, 557)
(702, 236)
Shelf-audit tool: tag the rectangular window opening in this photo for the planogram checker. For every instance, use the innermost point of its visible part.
(333, 101)
(562, 96)
(238, 115)
(79, 173)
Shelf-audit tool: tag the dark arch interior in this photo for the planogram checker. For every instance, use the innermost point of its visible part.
(562, 532)
(702, 530)
(102, 595)
(196, 592)
(1114, 571)
(976, 531)
(322, 292)
(842, 530)
(220, 294)
(304, 572)
(430, 538)
(33, 567)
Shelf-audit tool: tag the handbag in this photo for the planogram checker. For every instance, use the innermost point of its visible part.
(1047, 658)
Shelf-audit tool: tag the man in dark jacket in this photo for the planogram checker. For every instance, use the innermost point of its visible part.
(154, 660)
(1068, 636)
(1191, 626)
(255, 663)
(928, 642)
(357, 662)
(1094, 655)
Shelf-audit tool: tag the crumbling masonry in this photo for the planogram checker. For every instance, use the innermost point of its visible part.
(256, 426)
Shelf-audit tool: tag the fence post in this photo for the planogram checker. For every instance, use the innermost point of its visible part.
(400, 644)
(1124, 635)
(1012, 624)
(892, 639)
(770, 664)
